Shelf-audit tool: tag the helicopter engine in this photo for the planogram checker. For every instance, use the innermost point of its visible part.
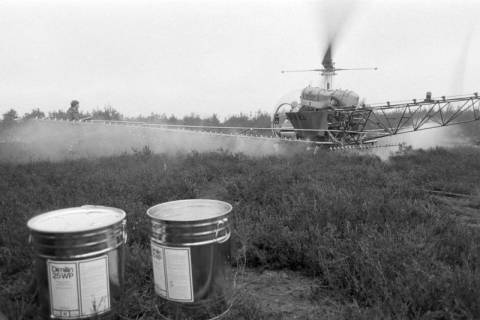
(316, 98)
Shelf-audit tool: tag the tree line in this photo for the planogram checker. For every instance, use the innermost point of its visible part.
(258, 119)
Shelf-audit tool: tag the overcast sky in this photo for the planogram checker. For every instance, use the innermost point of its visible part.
(225, 57)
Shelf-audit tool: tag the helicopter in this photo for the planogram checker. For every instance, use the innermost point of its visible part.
(331, 117)
(323, 115)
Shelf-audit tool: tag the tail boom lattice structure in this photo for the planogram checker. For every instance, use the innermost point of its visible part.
(391, 119)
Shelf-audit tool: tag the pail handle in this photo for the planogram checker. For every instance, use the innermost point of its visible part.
(226, 236)
(124, 231)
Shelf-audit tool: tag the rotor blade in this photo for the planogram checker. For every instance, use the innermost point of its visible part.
(335, 17)
(344, 69)
(306, 70)
(327, 61)
(328, 69)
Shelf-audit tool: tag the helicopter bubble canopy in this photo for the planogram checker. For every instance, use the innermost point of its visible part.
(290, 98)
(289, 102)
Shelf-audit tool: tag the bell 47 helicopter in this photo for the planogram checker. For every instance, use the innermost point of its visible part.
(336, 118)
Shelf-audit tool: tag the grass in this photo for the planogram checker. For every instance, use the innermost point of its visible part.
(365, 231)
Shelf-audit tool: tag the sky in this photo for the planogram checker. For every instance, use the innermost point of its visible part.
(225, 57)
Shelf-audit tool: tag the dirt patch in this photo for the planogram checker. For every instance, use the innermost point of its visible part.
(466, 209)
(281, 295)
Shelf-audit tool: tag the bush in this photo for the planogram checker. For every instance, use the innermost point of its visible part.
(364, 229)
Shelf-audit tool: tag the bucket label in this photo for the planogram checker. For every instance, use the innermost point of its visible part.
(172, 272)
(78, 288)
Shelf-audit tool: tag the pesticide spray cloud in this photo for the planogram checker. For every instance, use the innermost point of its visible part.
(433, 137)
(60, 140)
(423, 139)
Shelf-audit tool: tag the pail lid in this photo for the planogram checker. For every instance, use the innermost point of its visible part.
(77, 219)
(189, 210)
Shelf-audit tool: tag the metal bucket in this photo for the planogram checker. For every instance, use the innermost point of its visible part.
(79, 261)
(190, 243)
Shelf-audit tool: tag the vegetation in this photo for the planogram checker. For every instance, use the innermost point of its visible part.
(259, 119)
(108, 113)
(10, 116)
(369, 234)
(34, 114)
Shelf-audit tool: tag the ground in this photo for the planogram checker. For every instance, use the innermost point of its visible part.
(326, 235)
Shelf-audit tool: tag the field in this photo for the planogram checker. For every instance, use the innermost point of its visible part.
(326, 236)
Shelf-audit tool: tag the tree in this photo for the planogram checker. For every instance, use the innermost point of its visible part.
(108, 113)
(172, 120)
(155, 117)
(258, 120)
(240, 120)
(59, 115)
(212, 121)
(192, 120)
(10, 116)
(35, 114)
(261, 120)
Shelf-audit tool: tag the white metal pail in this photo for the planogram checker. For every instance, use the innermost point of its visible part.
(79, 261)
(190, 242)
